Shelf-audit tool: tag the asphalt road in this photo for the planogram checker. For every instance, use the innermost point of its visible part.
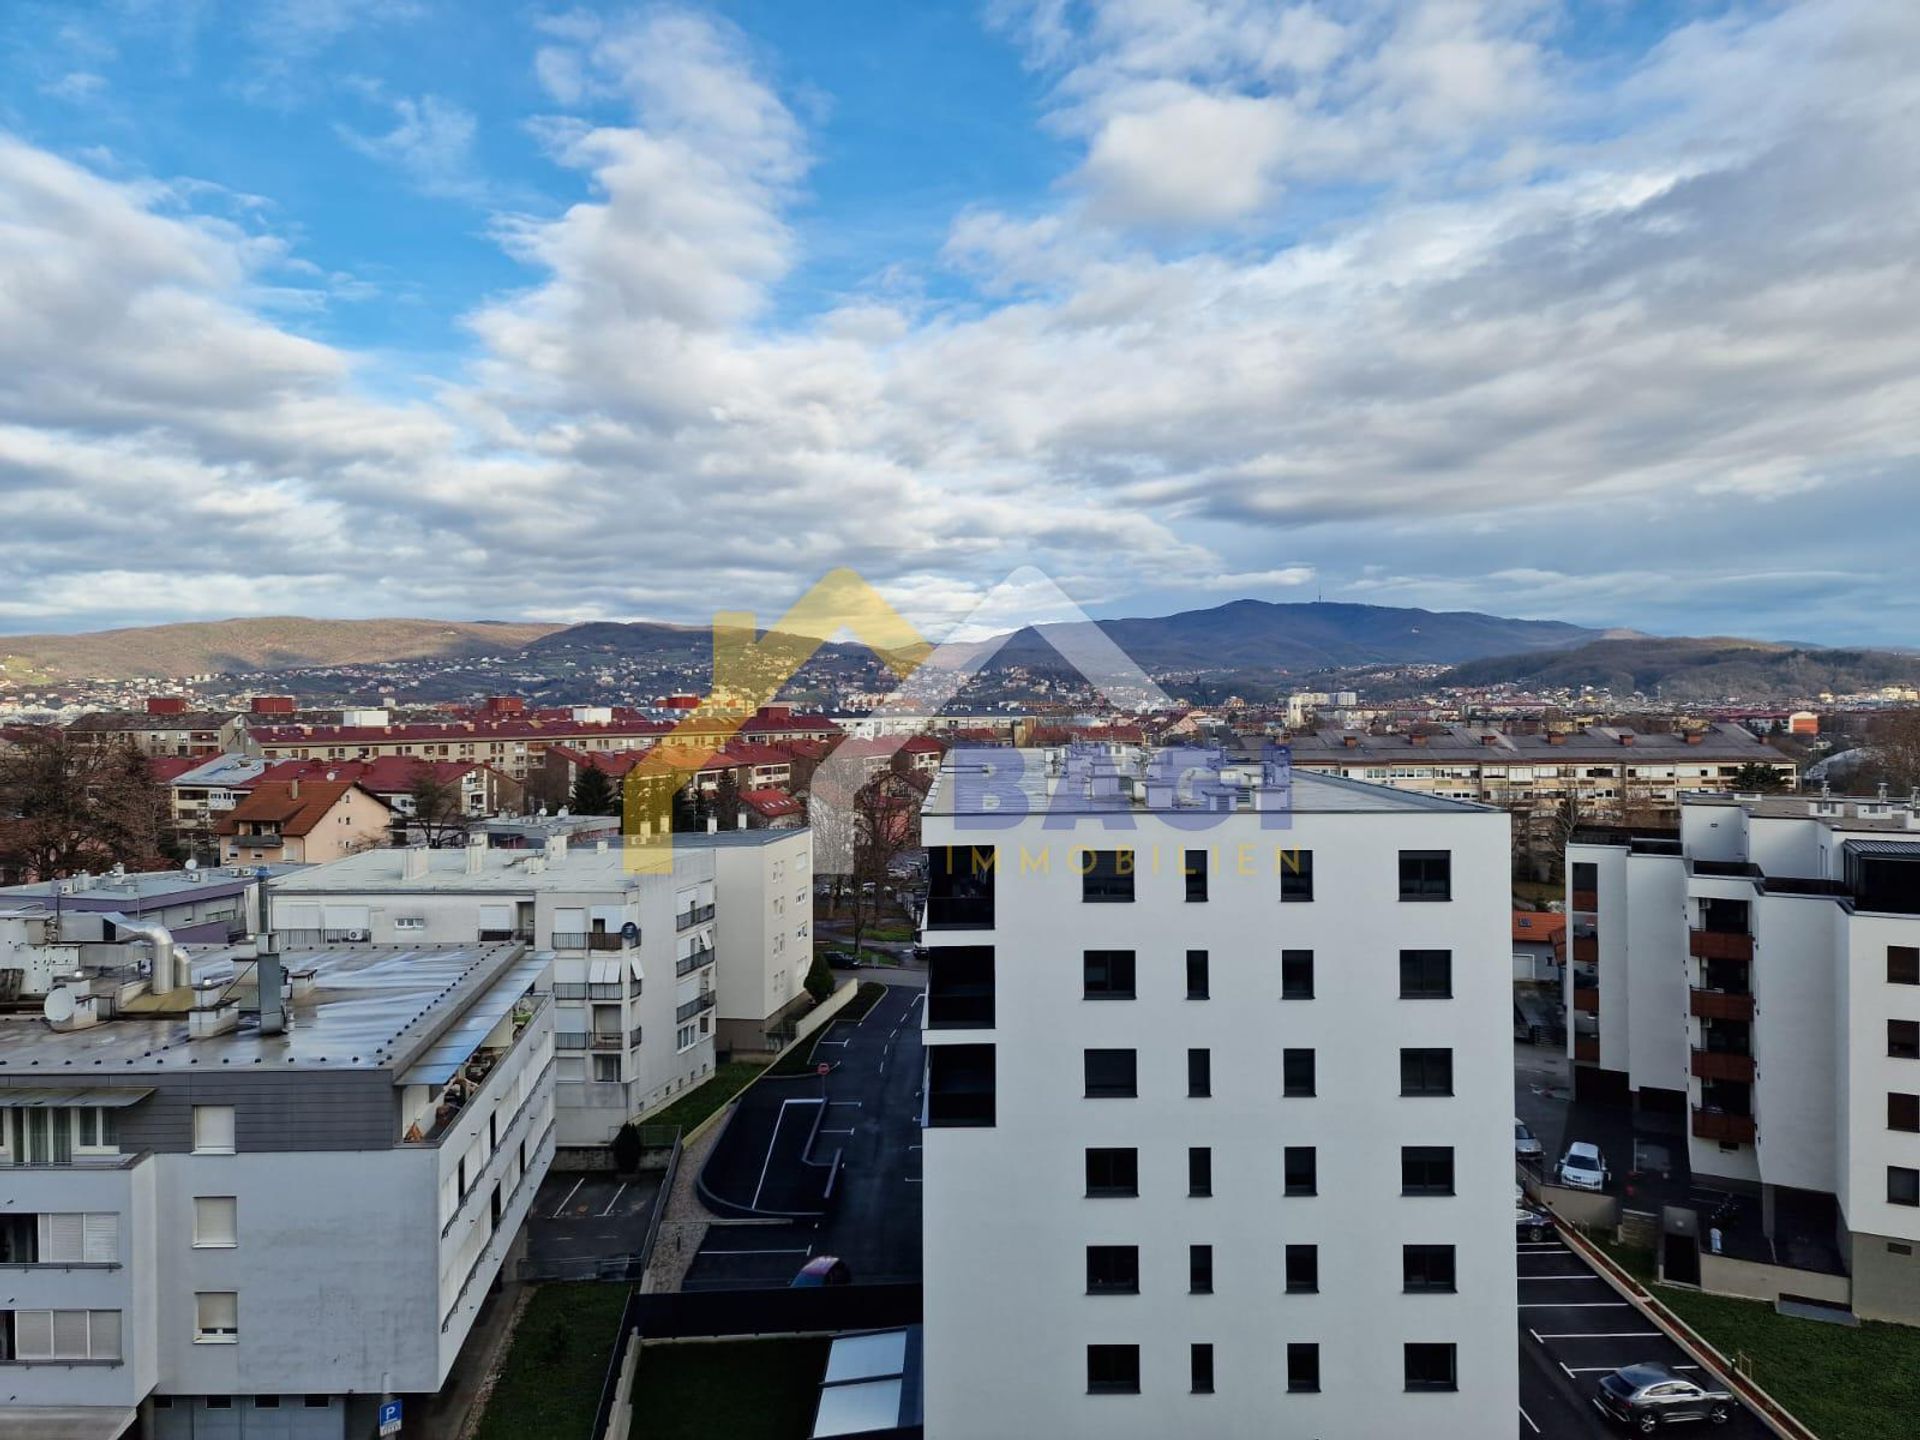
(868, 1138)
(579, 1223)
(1574, 1328)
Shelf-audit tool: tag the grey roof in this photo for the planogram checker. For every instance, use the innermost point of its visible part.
(135, 888)
(722, 839)
(1835, 812)
(582, 867)
(1481, 744)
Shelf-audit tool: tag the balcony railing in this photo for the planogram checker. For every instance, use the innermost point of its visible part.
(687, 964)
(699, 915)
(1586, 1049)
(633, 1036)
(1718, 1125)
(1588, 900)
(694, 1007)
(569, 940)
(1720, 1005)
(1586, 949)
(1586, 999)
(612, 940)
(569, 1039)
(615, 1041)
(1722, 1065)
(1719, 945)
(959, 912)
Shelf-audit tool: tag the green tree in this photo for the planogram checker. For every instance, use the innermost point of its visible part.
(725, 807)
(819, 980)
(593, 792)
(686, 813)
(627, 1149)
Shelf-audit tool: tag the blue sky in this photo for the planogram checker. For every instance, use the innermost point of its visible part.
(1572, 310)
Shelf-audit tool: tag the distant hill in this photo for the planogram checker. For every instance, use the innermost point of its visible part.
(1710, 669)
(267, 643)
(1256, 635)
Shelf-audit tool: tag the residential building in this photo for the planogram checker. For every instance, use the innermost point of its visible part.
(303, 821)
(1217, 1102)
(209, 904)
(763, 929)
(204, 794)
(633, 970)
(165, 727)
(255, 1204)
(479, 789)
(1758, 971)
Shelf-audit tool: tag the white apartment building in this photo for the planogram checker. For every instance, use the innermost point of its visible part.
(1218, 1100)
(633, 970)
(1761, 969)
(219, 1222)
(763, 928)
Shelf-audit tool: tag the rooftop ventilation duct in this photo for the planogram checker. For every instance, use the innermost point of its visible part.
(166, 970)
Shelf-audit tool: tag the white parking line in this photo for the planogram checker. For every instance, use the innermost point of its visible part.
(1529, 1279)
(1606, 1335)
(561, 1207)
(1609, 1369)
(615, 1201)
(1579, 1305)
(807, 1251)
(1529, 1419)
(836, 1132)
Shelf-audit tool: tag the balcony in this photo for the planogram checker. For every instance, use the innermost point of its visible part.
(612, 940)
(686, 1012)
(1588, 900)
(1586, 949)
(697, 960)
(1719, 945)
(1722, 1065)
(1586, 1049)
(1729, 1129)
(686, 919)
(633, 1036)
(614, 1042)
(1586, 999)
(569, 940)
(959, 912)
(1720, 1005)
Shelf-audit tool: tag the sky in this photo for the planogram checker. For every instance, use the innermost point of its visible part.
(1592, 310)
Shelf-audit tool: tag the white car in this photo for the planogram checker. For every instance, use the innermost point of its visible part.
(1525, 1146)
(1582, 1167)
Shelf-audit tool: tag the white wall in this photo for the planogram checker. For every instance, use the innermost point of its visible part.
(1654, 967)
(1795, 981)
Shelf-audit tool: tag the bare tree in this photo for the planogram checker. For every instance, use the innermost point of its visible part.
(436, 803)
(73, 807)
(886, 822)
(1895, 739)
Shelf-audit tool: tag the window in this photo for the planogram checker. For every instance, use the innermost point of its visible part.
(1431, 1367)
(1300, 1170)
(1197, 986)
(1113, 1369)
(1426, 1170)
(1903, 964)
(95, 1129)
(1195, 871)
(1903, 1112)
(1199, 1171)
(1296, 1072)
(1113, 1172)
(1296, 875)
(960, 1085)
(606, 1069)
(213, 1130)
(1303, 1269)
(1426, 1072)
(1296, 974)
(66, 1335)
(1426, 875)
(215, 1222)
(1303, 1367)
(1106, 876)
(1113, 1269)
(72, 1238)
(1110, 1074)
(1903, 1185)
(266, 1402)
(1426, 1268)
(1199, 1074)
(1108, 974)
(1903, 1039)
(216, 1317)
(1200, 1362)
(1200, 1269)
(1426, 974)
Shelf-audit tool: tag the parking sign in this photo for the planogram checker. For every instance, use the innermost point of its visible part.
(389, 1417)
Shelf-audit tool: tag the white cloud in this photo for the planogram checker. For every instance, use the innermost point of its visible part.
(431, 142)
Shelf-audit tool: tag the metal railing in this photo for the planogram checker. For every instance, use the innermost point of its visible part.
(611, 940)
(687, 964)
(569, 940)
(633, 1036)
(692, 1008)
(699, 915)
(569, 1039)
(615, 1041)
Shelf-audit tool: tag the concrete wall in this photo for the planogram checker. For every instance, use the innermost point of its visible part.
(1655, 971)
(1795, 983)
(1870, 1074)
(1725, 1276)
(1886, 1278)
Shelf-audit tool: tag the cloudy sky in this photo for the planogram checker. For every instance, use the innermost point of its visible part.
(1599, 310)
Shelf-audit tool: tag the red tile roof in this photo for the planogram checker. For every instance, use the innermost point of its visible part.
(296, 807)
(1538, 926)
(771, 804)
(170, 767)
(383, 775)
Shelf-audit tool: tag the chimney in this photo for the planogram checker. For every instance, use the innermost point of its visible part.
(1694, 737)
(1556, 737)
(1350, 741)
(273, 1010)
(293, 789)
(1419, 737)
(1626, 737)
(713, 824)
(1489, 739)
(556, 848)
(413, 863)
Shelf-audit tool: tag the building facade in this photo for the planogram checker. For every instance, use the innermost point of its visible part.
(1218, 1100)
(1759, 969)
(303, 822)
(763, 928)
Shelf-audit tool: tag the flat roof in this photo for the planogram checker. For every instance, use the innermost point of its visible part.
(135, 886)
(721, 839)
(373, 1007)
(1836, 812)
(582, 867)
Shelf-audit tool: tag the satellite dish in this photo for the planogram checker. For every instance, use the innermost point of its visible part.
(58, 1006)
(192, 865)
(630, 932)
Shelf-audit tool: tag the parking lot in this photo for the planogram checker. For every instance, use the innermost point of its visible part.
(581, 1224)
(1574, 1328)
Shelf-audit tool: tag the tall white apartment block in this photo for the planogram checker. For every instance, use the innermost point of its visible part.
(1761, 969)
(763, 929)
(1218, 1097)
(633, 970)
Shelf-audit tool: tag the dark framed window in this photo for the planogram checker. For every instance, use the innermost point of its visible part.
(1111, 1074)
(1113, 1269)
(1427, 1268)
(1903, 1185)
(1113, 1172)
(1195, 871)
(960, 1085)
(1200, 1269)
(1296, 1072)
(1426, 875)
(1303, 1269)
(1200, 1362)
(960, 887)
(1199, 1171)
(960, 988)
(1586, 876)
(1426, 974)
(1903, 1111)
(1903, 1039)
(1113, 1369)
(1303, 1367)
(1296, 974)
(1302, 1171)
(1426, 1072)
(1903, 964)
(266, 1402)
(1431, 1367)
(1106, 876)
(1197, 977)
(1426, 1170)
(1199, 1074)
(1107, 974)
(1296, 875)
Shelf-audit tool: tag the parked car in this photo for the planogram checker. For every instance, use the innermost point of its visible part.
(1583, 1168)
(822, 1270)
(1525, 1146)
(842, 959)
(1651, 1397)
(1530, 1222)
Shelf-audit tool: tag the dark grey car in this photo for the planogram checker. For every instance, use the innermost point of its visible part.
(1650, 1396)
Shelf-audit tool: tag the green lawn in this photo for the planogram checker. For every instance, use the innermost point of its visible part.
(1847, 1384)
(729, 1390)
(1537, 894)
(550, 1385)
(698, 1103)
